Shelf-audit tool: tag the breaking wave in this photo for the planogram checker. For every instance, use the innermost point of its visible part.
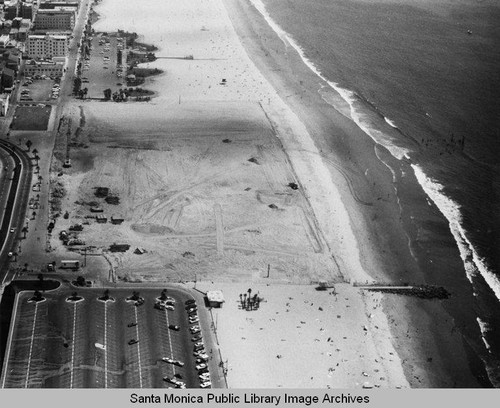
(451, 210)
(382, 130)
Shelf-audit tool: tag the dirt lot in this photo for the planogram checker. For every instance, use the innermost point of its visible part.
(31, 117)
(54, 341)
(205, 191)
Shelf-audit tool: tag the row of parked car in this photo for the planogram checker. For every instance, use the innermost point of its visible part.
(199, 347)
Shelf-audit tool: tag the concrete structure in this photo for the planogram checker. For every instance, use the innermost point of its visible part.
(26, 11)
(47, 46)
(215, 298)
(11, 9)
(62, 18)
(4, 103)
(50, 69)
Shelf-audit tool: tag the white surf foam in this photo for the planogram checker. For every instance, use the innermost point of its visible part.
(390, 122)
(483, 326)
(364, 122)
(473, 262)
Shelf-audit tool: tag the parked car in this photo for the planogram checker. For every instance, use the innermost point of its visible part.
(133, 341)
(173, 327)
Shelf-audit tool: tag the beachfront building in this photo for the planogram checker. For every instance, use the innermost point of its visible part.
(47, 46)
(50, 69)
(62, 18)
(215, 298)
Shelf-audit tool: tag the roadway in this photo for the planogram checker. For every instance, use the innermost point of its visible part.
(16, 179)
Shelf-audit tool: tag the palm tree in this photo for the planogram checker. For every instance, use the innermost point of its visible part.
(40, 279)
(37, 295)
(163, 295)
(29, 144)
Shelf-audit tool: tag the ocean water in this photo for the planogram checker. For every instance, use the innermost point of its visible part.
(422, 79)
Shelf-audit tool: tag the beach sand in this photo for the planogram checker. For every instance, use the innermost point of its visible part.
(343, 226)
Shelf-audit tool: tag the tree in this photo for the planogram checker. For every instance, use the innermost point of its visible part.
(80, 281)
(35, 151)
(24, 231)
(34, 214)
(163, 295)
(29, 144)
(37, 158)
(40, 278)
(107, 94)
(77, 83)
(37, 296)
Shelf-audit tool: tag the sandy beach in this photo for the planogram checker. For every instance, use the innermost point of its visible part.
(203, 173)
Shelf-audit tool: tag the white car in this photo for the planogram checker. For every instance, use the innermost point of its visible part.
(200, 343)
(168, 360)
(206, 384)
(169, 307)
(201, 366)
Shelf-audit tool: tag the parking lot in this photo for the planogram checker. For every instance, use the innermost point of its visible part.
(40, 89)
(102, 70)
(115, 339)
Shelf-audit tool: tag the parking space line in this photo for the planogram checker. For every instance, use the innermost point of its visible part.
(169, 339)
(73, 346)
(138, 347)
(31, 347)
(105, 345)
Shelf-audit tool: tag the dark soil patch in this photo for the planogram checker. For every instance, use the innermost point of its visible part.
(31, 118)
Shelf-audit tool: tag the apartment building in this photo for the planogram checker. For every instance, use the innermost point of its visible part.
(47, 46)
(62, 18)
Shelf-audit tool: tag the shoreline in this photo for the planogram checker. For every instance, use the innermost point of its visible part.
(352, 186)
(449, 363)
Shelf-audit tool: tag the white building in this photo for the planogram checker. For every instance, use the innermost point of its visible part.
(4, 103)
(61, 18)
(47, 46)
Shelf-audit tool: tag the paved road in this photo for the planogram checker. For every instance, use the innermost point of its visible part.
(15, 200)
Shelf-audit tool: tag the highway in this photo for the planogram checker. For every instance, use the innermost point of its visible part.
(15, 192)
